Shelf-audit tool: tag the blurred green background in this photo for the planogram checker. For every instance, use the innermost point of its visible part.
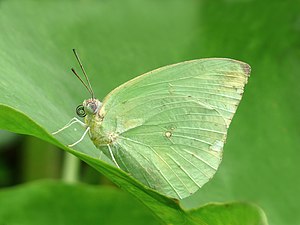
(118, 40)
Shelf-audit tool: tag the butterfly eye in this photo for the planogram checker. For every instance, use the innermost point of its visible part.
(80, 111)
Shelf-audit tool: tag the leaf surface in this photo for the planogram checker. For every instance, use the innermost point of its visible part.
(53, 202)
(38, 94)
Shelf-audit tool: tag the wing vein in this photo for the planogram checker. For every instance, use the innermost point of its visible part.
(137, 142)
(145, 177)
(178, 164)
(190, 163)
(198, 157)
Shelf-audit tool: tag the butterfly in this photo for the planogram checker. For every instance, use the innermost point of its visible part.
(167, 127)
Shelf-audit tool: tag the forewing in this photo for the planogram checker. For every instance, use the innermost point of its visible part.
(171, 123)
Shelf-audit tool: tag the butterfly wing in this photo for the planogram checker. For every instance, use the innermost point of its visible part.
(170, 124)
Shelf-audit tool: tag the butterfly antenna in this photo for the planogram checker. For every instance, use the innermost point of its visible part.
(81, 81)
(88, 86)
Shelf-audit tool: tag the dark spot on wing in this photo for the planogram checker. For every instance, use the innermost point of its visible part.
(246, 69)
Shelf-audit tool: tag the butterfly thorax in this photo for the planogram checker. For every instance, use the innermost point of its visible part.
(97, 134)
(94, 120)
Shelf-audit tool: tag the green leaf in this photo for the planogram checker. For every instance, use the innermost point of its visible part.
(230, 213)
(118, 40)
(52, 202)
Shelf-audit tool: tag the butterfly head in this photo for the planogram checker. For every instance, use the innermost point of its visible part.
(89, 107)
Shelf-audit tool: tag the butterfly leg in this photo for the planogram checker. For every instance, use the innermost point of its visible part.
(85, 132)
(72, 121)
(112, 156)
